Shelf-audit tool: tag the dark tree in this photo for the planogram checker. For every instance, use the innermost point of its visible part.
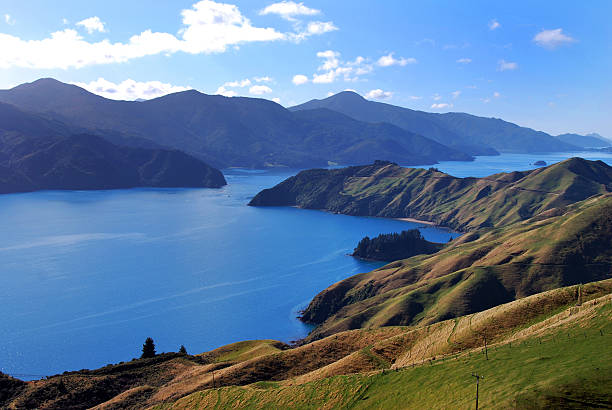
(182, 350)
(148, 348)
(394, 246)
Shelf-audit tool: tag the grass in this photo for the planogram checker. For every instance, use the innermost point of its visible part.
(542, 370)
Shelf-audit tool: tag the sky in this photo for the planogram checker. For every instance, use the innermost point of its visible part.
(542, 64)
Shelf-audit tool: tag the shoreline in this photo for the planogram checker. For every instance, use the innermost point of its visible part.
(416, 221)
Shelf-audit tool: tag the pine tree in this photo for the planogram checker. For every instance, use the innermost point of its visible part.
(148, 349)
(182, 350)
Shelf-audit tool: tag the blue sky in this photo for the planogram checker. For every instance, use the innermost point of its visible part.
(545, 65)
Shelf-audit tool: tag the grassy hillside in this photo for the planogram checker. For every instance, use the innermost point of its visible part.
(475, 272)
(387, 190)
(427, 365)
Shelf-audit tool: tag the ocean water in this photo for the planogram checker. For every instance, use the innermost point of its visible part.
(87, 276)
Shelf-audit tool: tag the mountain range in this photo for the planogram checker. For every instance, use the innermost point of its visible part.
(469, 133)
(250, 132)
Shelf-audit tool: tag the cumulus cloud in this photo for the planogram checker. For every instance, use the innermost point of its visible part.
(8, 19)
(378, 94)
(299, 79)
(504, 65)
(288, 10)
(464, 60)
(130, 89)
(276, 100)
(552, 38)
(389, 60)
(333, 68)
(441, 106)
(494, 24)
(207, 27)
(260, 90)
(228, 88)
(92, 24)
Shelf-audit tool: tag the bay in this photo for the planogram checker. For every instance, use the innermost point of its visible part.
(86, 276)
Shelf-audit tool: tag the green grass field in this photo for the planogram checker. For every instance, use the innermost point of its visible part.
(570, 367)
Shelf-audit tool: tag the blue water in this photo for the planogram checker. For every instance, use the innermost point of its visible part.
(85, 277)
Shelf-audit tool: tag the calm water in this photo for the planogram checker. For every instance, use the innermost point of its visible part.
(85, 277)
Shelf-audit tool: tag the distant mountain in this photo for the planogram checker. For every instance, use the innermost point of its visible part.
(36, 153)
(226, 131)
(469, 133)
(586, 141)
(386, 190)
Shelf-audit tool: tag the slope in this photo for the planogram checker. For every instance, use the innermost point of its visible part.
(564, 334)
(472, 134)
(475, 272)
(387, 190)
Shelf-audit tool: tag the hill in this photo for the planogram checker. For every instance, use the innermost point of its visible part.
(222, 131)
(387, 190)
(469, 133)
(37, 153)
(563, 336)
(477, 271)
(586, 141)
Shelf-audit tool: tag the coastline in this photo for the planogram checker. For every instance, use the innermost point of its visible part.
(415, 221)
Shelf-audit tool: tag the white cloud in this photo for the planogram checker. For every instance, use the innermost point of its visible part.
(464, 60)
(8, 19)
(378, 94)
(414, 97)
(389, 60)
(260, 90)
(208, 27)
(456, 94)
(486, 100)
(276, 100)
(299, 79)
(227, 89)
(130, 89)
(494, 24)
(436, 97)
(331, 59)
(504, 65)
(65, 21)
(92, 24)
(496, 94)
(288, 10)
(441, 106)
(552, 38)
(319, 27)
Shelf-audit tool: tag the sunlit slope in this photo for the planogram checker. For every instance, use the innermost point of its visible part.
(547, 350)
(387, 190)
(480, 270)
(439, 356)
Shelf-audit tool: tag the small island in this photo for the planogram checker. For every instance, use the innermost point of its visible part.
(395, 246)
(540, 163)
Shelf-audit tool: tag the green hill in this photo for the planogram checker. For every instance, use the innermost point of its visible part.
(475, 272)
(384, 189)
(561, 336)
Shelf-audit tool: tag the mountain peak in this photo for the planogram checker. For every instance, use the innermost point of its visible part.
(347, 96)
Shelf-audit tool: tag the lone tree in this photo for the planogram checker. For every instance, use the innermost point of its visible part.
(182, 350)
(148, 349)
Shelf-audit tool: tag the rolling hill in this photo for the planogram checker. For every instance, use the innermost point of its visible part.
(469, 133)
(562, 335)
(385, 189)
(588, 141)
(477, 271)
(222, 131)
